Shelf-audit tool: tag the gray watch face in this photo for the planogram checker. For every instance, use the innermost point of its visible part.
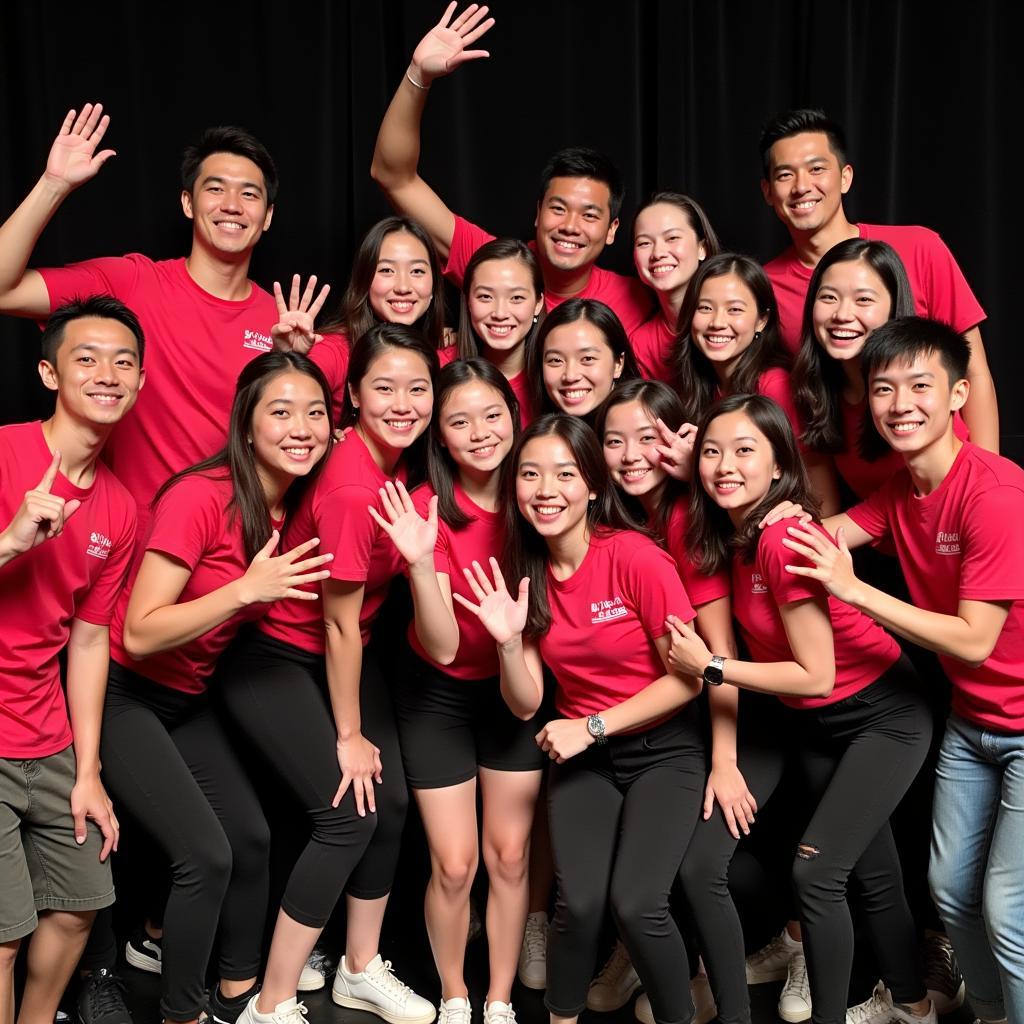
(595, 726)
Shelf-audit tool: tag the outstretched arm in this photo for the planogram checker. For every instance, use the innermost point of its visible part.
(396, 157)
(73, 160)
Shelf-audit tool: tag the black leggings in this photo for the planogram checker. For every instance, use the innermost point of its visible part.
(621, 815)
(168, 761)
(277, 695)
(859, 756)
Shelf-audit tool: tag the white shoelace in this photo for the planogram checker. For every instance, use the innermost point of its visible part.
(796, 979)
(292, 1016)
(878, 1006)
(506, 1016)
(535, 941)
(392, 986)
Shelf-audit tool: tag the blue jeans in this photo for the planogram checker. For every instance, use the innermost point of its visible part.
(977, 866)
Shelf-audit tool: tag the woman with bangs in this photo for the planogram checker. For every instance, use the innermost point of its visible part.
(628, 771)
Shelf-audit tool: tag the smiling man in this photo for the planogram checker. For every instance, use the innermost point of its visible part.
(203, 317)
(578, 201)
(806, 176)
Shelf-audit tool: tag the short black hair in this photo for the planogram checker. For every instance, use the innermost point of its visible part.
(797, 122)
(903, 339)
(584, 162)
(105, 307)
(228, 139)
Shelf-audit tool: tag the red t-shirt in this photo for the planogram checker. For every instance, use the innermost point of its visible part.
(863, 650)
(454, 551)
(605, 619)
(964, 541)
(335, 510)
(940, 289)
(191, 523)
(74, 576)
(332, 355)
(626, 296)
(654, 344)
(196, 345)
(521, 389)
(700, 589)
(774, 383)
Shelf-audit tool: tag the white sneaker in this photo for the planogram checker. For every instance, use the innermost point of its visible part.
(498, 1012)
(880, 1009)
(703, 1001)
(455, 1011)
(795, 997)
(533, 964)
(771, 962)
(317, 969)
(615, 983)
(378, 991)
(942, 975)
(291, 1011)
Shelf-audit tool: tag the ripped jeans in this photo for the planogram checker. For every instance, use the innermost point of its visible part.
(860, 756)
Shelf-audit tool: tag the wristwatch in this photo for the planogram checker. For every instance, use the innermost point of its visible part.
(595, 726)
(713, 673)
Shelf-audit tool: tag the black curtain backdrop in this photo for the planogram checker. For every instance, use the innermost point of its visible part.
(674, 90)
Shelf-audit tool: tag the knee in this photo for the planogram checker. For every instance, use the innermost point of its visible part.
(250, 847)
(580, 912)
(207, 864)
(454, 873)
(8, 954)
(634, 905)
(336, 826)
(508, 863)
(814, 877)
(700, 873)
(1001, 914)
(949, 889)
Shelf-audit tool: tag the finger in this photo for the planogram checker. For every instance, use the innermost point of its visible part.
(79, 821)
(446, 17)
(524, 590)
(300, 549)
(94, 116)
(116, 825)
(279, 299)
(473, 585)
(387, 502)
(432, 511)
(108, 835)
(801, 570)
(709, 801)
(802, 549)
(69, 120)
(472, 18)
(811, 537)
(312, 563)
(687, 432)
(481, 577)
(268, 549)
(403, 496)
(101, 158)
(840, 539)
(468, 605)
(371, 803)
(394, 497)
(307, 295)
(308, 577)
(346, 781)
(499, 580)
(70, 507)
(666, 453)
(730, 822)
(101, 128)
(667, 434)
(315, 308)
(81, 120)
(293, 295)
(51, 474)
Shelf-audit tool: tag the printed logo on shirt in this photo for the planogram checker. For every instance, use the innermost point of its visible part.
(757, 584)
(99, 545)
(606, 611)
(947, 543)
(256, 340)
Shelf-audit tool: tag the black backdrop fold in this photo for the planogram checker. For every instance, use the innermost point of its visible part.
(674, 90)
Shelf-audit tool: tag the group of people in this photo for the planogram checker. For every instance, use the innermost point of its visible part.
(615, 508)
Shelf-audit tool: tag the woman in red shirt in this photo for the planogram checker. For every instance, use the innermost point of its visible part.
(863, 724)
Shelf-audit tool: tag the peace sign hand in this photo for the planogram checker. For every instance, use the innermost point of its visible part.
(502, 617)
(42, 515)
(73, 159)
(294, 330)
(443, 48)
(412, 535)
(676, 450)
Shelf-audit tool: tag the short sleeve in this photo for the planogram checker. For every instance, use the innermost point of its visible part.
(700, 587)
(110, 275)
(949, 296)
(187, 520)
(873, 513)
(98, 606)
(346, 530)
(466, 239)
(332, 355)
(773, 557)
(993, 556)
(655, 590)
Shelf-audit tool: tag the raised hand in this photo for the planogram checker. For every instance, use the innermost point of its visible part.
(273, 577)
(412, 535)
(293, 331)
(502, 617)
(443, 48)
(676, 450)
(40, 517)
(73, 159)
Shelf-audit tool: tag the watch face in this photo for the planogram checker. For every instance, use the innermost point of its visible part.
(713, 673)
(595, 725)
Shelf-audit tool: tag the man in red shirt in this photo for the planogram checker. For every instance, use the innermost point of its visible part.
(69, 530)
(577, 207)
(806, 175)
(954, 515)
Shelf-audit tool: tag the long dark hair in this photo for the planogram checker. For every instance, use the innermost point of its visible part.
(442, 472)
(593, 311)
(356, 316)
(468, 343)
(696, 380)
(526, 553)
(818, 380)
(711, 531)
(695, 217)
(237, 459)
(375, 342)
(664, 404)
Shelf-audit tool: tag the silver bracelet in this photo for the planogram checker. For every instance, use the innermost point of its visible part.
(412, 81)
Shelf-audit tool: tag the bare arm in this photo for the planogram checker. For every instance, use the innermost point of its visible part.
(981, 413)
(396, 156)
(73, 160)
(88, 664)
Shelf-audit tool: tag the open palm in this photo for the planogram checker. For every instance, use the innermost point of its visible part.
(502, 617)
(443, 48)
(73, 158)
(413, 536)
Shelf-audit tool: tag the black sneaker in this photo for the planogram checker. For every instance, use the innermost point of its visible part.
(144, 952)
(101, 999)
(226, 1011)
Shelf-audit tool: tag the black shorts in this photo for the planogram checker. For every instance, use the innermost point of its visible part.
(449, 727)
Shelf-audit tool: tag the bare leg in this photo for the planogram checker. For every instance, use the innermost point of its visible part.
(449, 818)
(289, 949)
(56, 947)
(8, 954)
(508, 807)
(362, 938)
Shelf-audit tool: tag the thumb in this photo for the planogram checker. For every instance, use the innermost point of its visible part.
(841, 541)
(524, 589)
(432, 511)
(101, 158)
(268, 549)
(709, 800)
